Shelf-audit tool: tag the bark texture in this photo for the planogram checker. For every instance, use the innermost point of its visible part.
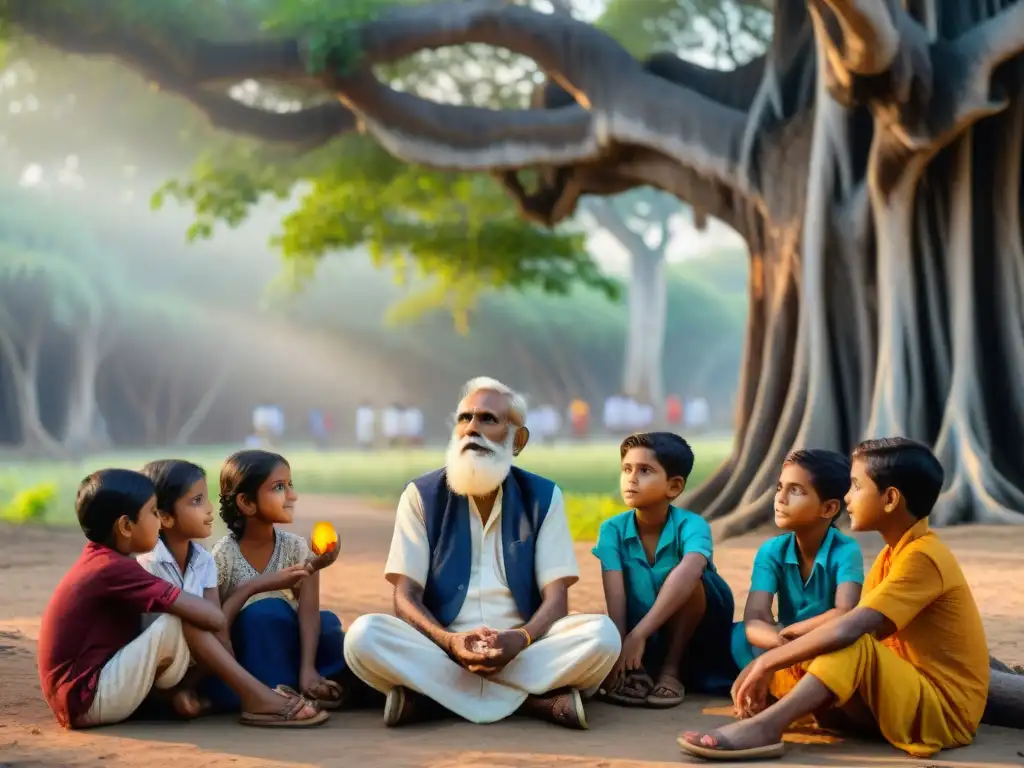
(871, 158)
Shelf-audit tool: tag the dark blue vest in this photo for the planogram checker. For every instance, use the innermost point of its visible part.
(524, 505)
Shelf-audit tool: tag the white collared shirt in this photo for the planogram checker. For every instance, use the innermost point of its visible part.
(489, 601)
(200, 573)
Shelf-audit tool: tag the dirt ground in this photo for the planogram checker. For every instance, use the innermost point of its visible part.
(32, 560)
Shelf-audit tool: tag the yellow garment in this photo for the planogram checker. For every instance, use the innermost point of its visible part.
(926, 684)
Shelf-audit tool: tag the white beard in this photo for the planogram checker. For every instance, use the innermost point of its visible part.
(471, 473)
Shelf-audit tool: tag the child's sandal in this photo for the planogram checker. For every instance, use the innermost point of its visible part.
(631, 691)
(288, 716)
(337, 699)
(667, 692)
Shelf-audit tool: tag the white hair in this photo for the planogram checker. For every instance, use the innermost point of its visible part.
(516, 401)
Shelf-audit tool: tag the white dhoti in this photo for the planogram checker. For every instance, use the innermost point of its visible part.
(159, 657)
(578, 652)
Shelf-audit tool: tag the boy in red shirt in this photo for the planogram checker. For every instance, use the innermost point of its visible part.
(95, 665)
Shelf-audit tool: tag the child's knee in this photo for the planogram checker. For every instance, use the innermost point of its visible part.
(264, 615)
(330, 624)
(692, 611)
(169, 629)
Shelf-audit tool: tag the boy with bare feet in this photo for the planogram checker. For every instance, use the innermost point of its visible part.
(910, 662)
(661, 588)
(95, 665)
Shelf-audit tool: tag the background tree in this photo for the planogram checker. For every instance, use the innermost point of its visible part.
(865, 316)
(728, 34)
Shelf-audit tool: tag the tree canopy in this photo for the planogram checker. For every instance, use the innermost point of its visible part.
(845, 155)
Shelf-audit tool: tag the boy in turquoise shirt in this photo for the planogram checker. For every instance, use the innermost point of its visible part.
(661, 588)
(815, 571)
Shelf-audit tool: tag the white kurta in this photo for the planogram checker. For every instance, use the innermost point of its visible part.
(578, 651)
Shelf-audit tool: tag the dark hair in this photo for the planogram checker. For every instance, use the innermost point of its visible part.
(906, 465)
(672, 452)
(243, 473)
(104, 497)
(829, 471)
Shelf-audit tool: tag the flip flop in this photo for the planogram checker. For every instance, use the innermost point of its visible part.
(337, 699)
(723, 754)
(666, 702)
(286, 716)
(619, 696)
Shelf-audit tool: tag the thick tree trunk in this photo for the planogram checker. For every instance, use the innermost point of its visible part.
(647, 308)
(905, 315)
(24, 366)
(82, 433)
(647, 297)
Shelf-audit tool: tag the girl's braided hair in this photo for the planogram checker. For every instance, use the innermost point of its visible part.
(242, 475)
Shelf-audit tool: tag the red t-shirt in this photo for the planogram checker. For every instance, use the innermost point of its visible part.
(94, 612)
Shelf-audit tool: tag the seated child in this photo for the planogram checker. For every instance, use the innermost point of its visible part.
(96, 664)
(910, 661)
(186, 514)
(815, 570)
(660, 584)
(271, 596)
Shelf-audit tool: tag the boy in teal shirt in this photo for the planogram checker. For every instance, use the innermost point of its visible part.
(661, 588)
(815, 570)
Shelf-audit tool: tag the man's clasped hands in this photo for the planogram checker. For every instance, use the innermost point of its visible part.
(485, 651)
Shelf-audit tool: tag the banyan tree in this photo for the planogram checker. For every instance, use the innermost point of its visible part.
(871, 158)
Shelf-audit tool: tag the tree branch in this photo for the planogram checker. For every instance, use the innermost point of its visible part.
(589, 64)
(610, 220)
(621, 106)
(920, 112)
(304, 129)
(186, 68)
(994, 41)
(467, 138)
(870, 40)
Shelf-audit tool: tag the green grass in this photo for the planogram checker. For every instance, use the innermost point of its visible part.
(587, 473)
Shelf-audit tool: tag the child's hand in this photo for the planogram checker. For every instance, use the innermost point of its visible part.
(632, 656)
(319, 562)
(750, 691)
(614, 678)
(311, 683)
(286, 578)
(786, 634)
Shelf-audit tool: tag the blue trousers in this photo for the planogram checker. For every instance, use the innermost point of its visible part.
(708, 666)
(265, 637)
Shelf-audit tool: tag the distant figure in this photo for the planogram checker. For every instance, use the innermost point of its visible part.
(268, 423)
(698, 414)
(632, 417)
(673, 411)
(615, 414)
(392, 424)
(644, 416)
(552, 422)
(412, 426)
(579, 417)
(544, 423)
(318, 428)
(365, 418)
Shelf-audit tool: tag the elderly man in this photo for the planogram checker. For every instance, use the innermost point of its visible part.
(482, 562)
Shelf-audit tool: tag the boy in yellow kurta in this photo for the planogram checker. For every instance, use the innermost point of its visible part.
(911, 660)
